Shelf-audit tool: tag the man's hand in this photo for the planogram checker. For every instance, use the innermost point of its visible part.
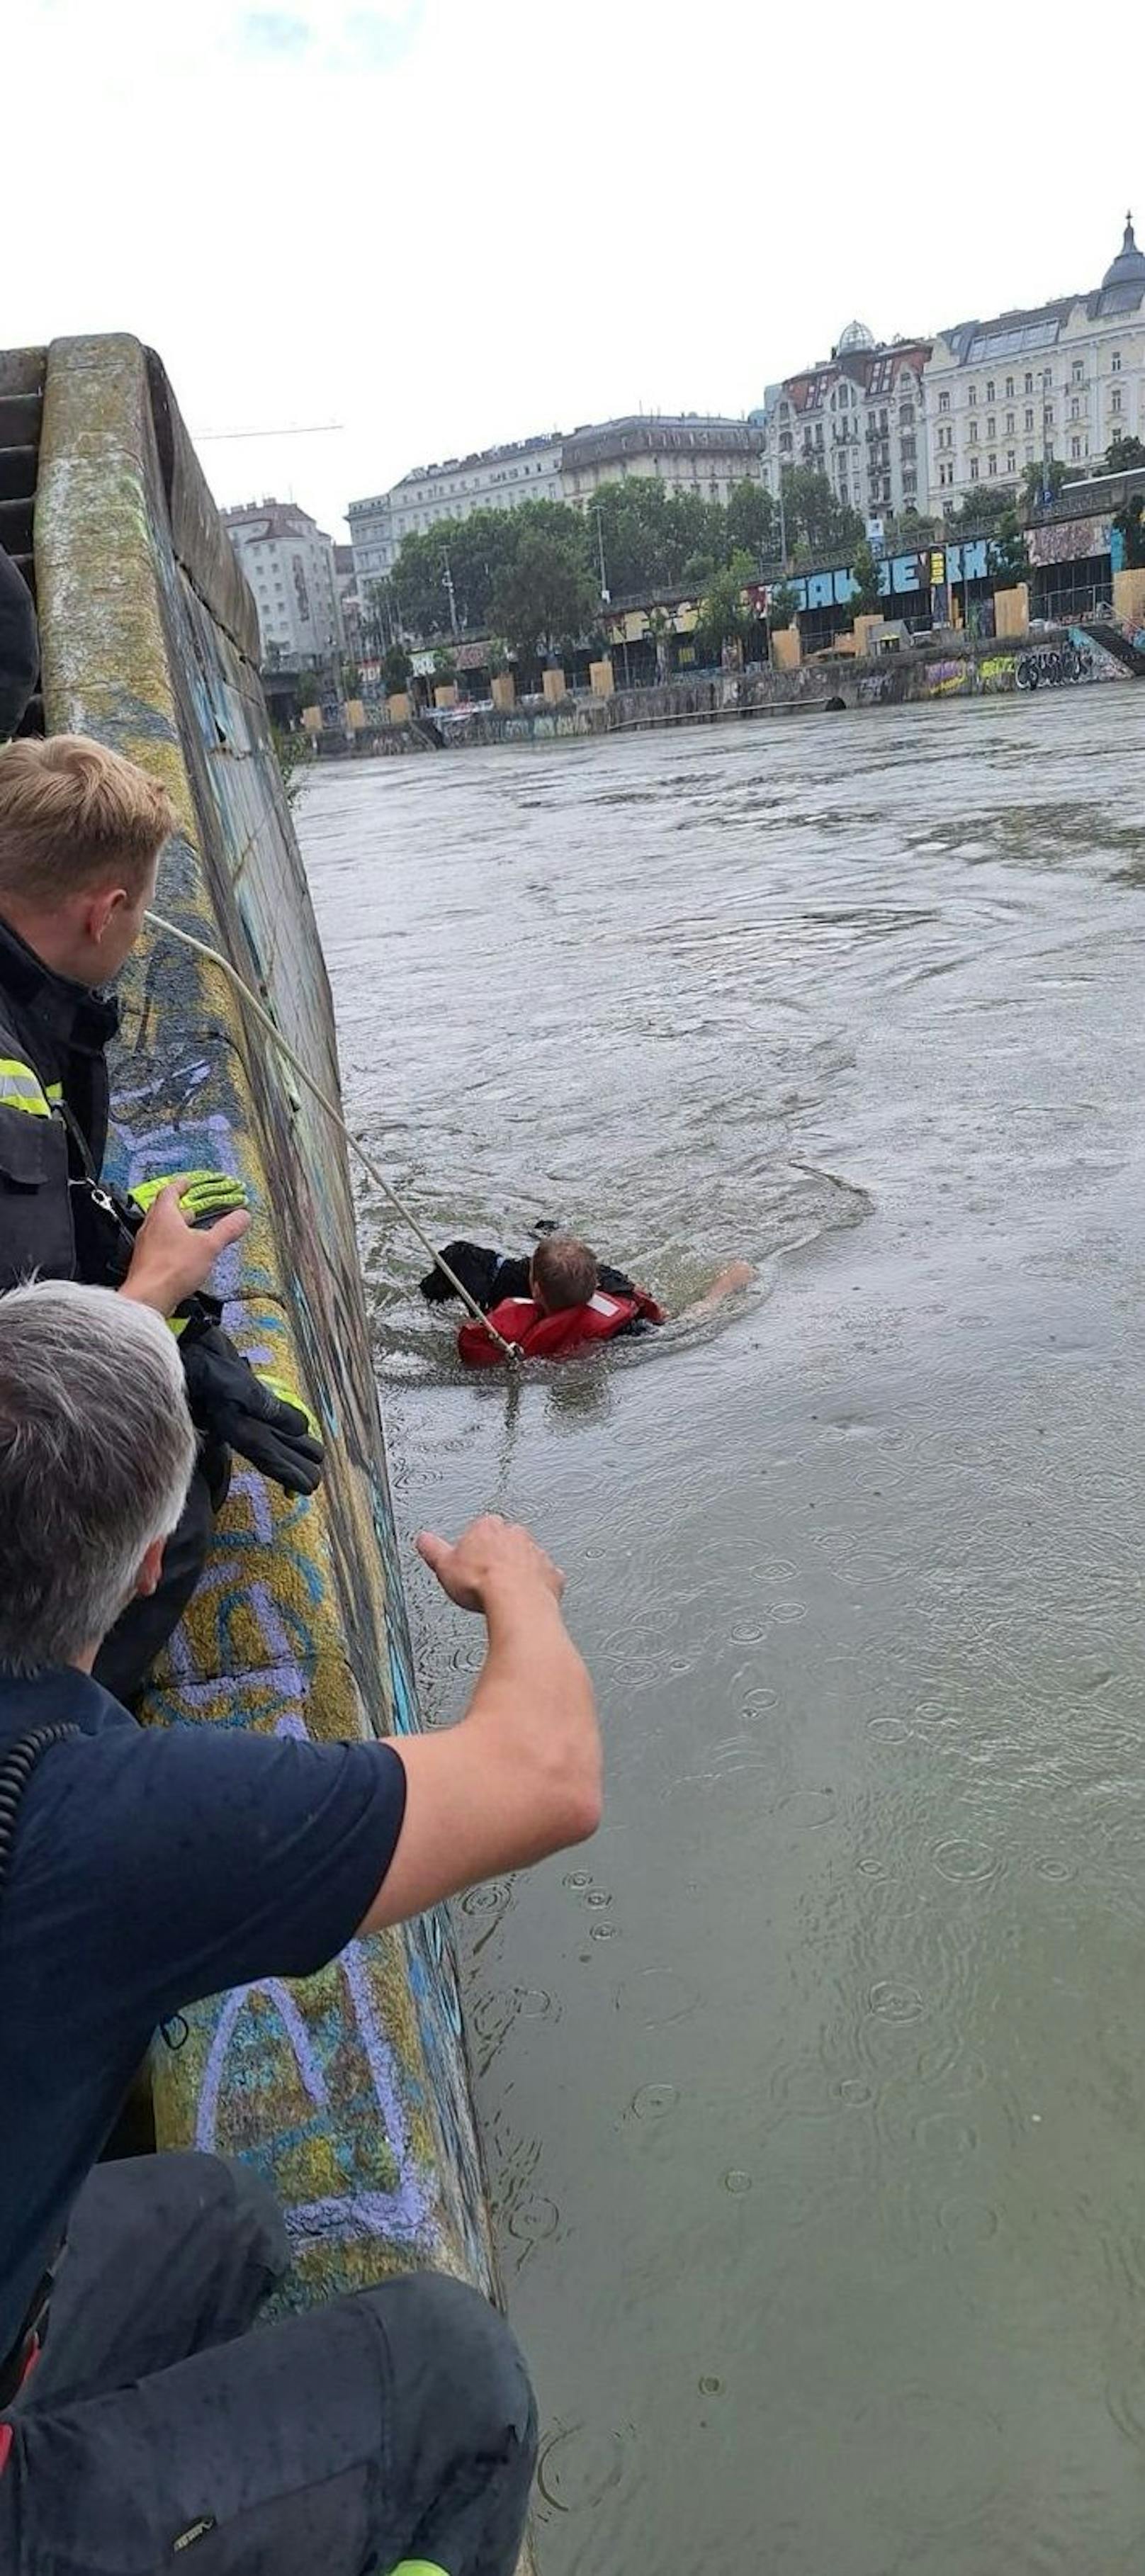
(521, 1774)
(491, 1557)
(171, 1259)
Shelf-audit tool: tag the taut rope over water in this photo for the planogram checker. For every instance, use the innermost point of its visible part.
(265, 1022)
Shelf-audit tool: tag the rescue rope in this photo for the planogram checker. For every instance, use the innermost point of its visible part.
(265, 1022)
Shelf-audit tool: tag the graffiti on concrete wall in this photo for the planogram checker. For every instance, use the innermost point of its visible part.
(946, 679)
(1054, 666)
(996, 674)
(350, 2091)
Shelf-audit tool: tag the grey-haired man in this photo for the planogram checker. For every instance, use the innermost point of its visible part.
(148, 1868)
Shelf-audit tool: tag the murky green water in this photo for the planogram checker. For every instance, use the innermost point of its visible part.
(814, 2090)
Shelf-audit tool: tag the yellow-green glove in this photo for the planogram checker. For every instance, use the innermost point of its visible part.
(203, 1196)
(288, 1395)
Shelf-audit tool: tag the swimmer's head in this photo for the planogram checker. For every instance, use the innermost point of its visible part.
(562, 1273)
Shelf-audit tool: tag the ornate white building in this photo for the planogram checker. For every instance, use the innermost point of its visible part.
(689, 453)
(686, 452)
(1062, 380)
(858, 417)
(498, 478)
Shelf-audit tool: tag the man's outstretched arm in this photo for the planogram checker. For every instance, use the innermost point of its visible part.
(520, 1775)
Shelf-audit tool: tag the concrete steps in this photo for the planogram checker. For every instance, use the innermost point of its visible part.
(22, 373)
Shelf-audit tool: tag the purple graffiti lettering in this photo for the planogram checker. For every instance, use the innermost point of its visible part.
(403, 2211)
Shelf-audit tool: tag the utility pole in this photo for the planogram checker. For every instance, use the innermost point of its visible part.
(447, 577)
(1047, 442)
(605, 593)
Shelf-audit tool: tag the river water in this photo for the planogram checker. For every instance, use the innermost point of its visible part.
(814, 2089)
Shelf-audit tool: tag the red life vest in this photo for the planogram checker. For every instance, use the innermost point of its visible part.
(552, 1337)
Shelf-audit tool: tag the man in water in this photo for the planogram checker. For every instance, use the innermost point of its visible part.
(556, 1300)
(143, 1868)
(81, 831)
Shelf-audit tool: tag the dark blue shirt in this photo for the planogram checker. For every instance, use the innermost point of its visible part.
(152, 1866)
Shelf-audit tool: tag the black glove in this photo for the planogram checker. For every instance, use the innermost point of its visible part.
(231, 1404)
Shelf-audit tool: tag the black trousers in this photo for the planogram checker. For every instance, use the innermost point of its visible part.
(157, 2432)
(129, 1650)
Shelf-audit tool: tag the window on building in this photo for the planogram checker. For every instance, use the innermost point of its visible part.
(990, 389)
(944, 402)
(1115, 362)
(1047, 415)
(1009, 424)
(1115, 399)
(1075, 448)
(992, 466)
(973, 469)
(972, 395)
(1029, 420)
(909, 485)
(1009, 389)
(1079, 371)
(991, 427)
(1028, 452)
(973, 433)
(1011, 461)
(1029, 384)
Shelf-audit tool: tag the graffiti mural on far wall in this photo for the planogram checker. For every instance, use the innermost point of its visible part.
(1058, 666)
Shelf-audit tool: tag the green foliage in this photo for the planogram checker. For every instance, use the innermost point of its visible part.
(784, 605)
(651, 540)
(818, 525)
(649, 536)
(480, 552)
(726, 615)
(293, 753)
(910, 527)
(866, 599)
(986, 507)
(1010, 561)
(1123, 453)
(396, 669)
(545, 596)
(444, 663)
(1131, 523)
(752, 520)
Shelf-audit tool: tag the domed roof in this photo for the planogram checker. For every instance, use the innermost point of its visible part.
(857, 336)
(1129, 266)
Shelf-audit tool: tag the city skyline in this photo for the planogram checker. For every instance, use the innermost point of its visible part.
(441, 244)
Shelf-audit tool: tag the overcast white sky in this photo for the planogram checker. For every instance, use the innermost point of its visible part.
(441, 223)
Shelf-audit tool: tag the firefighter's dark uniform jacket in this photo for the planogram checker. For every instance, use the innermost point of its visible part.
(53, 1119)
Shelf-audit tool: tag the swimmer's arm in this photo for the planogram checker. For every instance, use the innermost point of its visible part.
(739, 1274)
(520, 1775)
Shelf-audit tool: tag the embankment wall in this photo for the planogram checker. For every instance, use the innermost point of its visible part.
(1070, 660)
(349, 2091)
